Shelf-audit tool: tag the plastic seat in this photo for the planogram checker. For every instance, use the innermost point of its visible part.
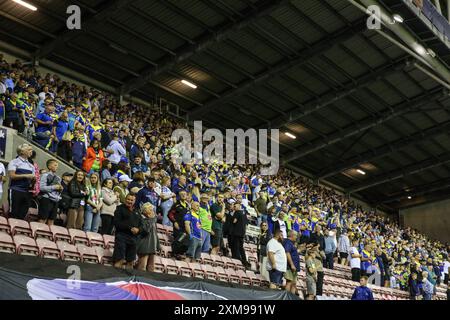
(166, 251)
(78, 236)
(160, 228)
(88, 254)
(104, 255)
(159, 266)
(222, 275)
(40, 230)
(108, 240)
(233, 276)
(264, 281)
(48, 249)
(68, 251)
(4, 226)
(6, 243)
(163, 239)
(217, 260)
(60, 233)
(183, 268)
(95, 239)
(209, 271)
(244, 278)
(206, 259)
(25, 245)
(253, 278)
(170, 266)
(197, 270)
(228, 263)
(32, 215)
(169, 230)
(19, 227)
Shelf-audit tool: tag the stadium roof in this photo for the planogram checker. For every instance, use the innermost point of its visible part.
(369, 114)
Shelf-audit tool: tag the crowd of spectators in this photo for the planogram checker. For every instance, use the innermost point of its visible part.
(129, 177)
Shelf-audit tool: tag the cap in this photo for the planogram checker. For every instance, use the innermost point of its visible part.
(124, 177)
(67, 174)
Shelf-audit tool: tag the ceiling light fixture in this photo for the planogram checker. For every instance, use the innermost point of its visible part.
(361, 172)
(189, 84)
(290, 135)
(25, 4)
(409, 197)
(398, 18)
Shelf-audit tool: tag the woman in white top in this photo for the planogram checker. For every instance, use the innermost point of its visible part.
(110, 202)
(167, 200)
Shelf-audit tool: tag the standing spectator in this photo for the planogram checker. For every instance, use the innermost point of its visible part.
(193, 228)
(77, 192)
(366, 259)
(37, 174)
(320, 257)
(64, 149)
(263, 238)
(238, 233)
(106, 170)
(2, 178)
(94, 203)
(128, 224)
(261, 207)
(180, 241)
(344, 247)
(330, 249)
(44, 126)
(355, 261)
(414, 288)
(362, 292)
(167, 199)
(206, 221)
(117, 151)
(51, 189)
(110, 202)
(446, 268)
(277, 260)
(78, 149)
(122, 188)
(148, 194)
(60, 127)
(22, 175)
(94, 158)
(280, 224)
(311, 272)
(293, 261)
(148, 243)
(218, 215)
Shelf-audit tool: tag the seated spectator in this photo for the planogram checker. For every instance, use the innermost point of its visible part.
(110, 202)
(148, 243)
(22, 179)
(276, 260)
(193, 227)
(51, 188)
(362, 292)
(293, 261)
(94, 203)
(128, 224)
(78, 193)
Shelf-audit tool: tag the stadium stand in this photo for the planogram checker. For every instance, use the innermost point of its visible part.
(132, 202)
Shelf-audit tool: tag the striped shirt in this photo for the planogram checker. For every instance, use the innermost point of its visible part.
(21, 166)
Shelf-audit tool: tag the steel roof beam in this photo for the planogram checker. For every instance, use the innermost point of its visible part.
(303, 57)
(108, 10)
(370, 122)
(385, 149)
(204, 43)
(415, 168)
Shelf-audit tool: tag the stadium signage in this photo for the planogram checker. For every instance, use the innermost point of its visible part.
(188, 150)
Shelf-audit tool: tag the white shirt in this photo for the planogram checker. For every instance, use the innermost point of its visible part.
(354, 262)
(118, 150)
(446, 266)
(279, 255)
(2, 173)
(283, 228)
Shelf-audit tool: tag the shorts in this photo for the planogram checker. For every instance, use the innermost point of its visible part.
(291, 276)
(276, 277)
(311, 287)
(216, 239)
(195, 248)
(125, 247)
(343, 255)
(48, 209)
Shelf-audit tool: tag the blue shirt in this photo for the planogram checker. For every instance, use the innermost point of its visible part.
(146, 195)
(44, 127)
(290, 248)
(21, 166)
(61, 128)
(362, 293)
(196, 225)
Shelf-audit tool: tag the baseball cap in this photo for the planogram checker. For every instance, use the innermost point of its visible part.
(125, 177)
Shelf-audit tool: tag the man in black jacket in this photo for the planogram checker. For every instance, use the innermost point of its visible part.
(128, 225)
(176, 216)
(238, 233)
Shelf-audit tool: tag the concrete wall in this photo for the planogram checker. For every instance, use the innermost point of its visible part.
(432, 219)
